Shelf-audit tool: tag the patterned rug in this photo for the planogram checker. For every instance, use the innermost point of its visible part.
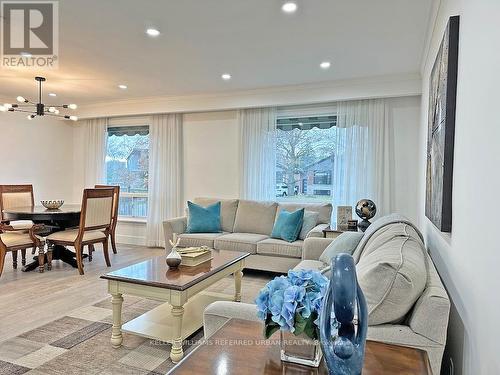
(79, 343)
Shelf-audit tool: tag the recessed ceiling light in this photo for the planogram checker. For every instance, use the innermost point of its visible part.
(289, 7)
(123, 87)
(325, 65)
(153, 32)
(52, 94)
(226, 76)
(25, 54)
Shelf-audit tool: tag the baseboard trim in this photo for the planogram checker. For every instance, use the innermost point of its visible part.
(130, 240)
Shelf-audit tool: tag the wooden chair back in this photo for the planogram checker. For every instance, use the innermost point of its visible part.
(97, 210)
(15, 196)
(116, 200)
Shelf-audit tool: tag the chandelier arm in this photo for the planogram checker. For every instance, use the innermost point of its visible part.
(22, 110)
(54, 115)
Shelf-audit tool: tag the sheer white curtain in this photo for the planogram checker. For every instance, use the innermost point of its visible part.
(165, 175)
(95, 140)
(258, 156)
(364, 161)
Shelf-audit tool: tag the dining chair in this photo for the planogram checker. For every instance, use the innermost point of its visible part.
(114, 221)
(12, 240)
(16, 196)
(95, 225)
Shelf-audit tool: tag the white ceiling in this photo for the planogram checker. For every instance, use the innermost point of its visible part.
(103, 43)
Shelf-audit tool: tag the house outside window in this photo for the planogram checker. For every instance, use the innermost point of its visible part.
(305, 157)
(127, 164)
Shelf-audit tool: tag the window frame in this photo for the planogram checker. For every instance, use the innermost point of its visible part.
(295, 113)
(132, 121)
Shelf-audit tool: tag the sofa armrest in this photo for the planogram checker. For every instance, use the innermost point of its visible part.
(171, 226)
(314, 247)
(317, 231)
(218, 313)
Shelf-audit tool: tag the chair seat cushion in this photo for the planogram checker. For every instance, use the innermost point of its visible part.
(273, 246)
(21, 224)
(13, 239)
(246, 242)
(198, 239)
(70, 236)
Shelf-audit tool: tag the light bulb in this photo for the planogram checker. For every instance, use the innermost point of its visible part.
(3, 109)
(56, 111)
(226, 76)
(289, 7)
(123, 87)
(325, 65)
(52, 109)
(73, 118)
(153, 32)
(72, 106)
(20, 99)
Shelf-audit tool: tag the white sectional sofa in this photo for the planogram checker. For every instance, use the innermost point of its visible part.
(407, 302)
(247, 226)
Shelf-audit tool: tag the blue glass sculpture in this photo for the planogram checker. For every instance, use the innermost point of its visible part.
(342, 338)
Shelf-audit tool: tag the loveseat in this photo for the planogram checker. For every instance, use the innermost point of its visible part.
(247, 226)
(407, 302)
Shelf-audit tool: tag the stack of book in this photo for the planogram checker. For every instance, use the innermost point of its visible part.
(193, 256)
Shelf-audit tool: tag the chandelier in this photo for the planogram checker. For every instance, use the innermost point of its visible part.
(38, 109)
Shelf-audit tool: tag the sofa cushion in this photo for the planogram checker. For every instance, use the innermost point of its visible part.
(203, 219)
(392, 272)
(255, 217)
(273, 246)
(246, 242)
(308, 224)
(228, 209)
(310, 265)
(323, 209)
(288, 225)
(197, 239)
(345, 243)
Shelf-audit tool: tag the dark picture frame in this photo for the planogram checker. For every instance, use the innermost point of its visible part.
(441, 129)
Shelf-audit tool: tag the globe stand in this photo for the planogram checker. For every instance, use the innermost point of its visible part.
(363, 225)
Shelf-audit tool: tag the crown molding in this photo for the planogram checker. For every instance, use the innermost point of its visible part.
(360, 88)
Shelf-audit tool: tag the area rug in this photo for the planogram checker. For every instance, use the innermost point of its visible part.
(79, 343)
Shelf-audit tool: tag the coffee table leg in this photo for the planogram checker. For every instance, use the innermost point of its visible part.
(116, 330)
(176, 353)
(238, 275)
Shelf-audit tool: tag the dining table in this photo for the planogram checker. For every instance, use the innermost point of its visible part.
(53, 220)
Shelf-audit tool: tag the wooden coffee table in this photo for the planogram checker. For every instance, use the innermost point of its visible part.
(239, 348)
(184, 290)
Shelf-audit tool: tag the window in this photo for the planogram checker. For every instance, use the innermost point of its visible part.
(127, 163)
(305, 157)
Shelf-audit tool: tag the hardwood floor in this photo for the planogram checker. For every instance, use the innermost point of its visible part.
(31, 299)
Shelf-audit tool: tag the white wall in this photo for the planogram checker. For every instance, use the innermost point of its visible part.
(468, 259)
(211, 155)
(38, 152)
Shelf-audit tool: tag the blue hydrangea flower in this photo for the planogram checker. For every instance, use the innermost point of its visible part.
(300, 292)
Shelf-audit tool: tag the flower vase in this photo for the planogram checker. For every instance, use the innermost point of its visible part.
(174, 259)
(300, 349)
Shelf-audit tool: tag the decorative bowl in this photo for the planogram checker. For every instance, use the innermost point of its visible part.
(52, 204)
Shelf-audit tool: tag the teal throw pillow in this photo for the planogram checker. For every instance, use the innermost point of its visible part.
(203, 219)
(288, 225)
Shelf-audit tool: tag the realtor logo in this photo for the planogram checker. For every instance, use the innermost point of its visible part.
(30, 34)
